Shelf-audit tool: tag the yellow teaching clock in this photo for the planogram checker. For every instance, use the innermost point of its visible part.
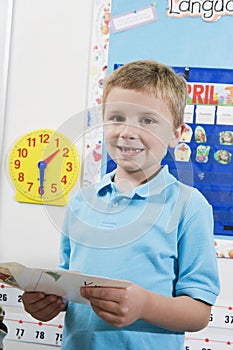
(43, 166)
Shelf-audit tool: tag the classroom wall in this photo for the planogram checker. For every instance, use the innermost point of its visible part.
(47, 85)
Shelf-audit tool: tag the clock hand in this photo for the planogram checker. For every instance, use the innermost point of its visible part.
(41, 165)
(49, 158)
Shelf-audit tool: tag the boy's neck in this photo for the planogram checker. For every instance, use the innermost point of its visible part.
(125, 181)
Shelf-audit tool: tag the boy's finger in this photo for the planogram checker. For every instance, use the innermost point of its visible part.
(32, 297)
(113, 294)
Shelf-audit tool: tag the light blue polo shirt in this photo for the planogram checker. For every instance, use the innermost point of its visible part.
(158, 235)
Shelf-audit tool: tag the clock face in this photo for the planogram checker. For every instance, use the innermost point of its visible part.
(43, 166)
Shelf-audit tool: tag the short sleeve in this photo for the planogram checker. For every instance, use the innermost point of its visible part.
(198, 273)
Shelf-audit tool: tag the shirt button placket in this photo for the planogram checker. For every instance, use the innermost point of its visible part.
(115, 204)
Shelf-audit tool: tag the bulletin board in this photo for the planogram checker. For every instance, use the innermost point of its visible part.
(182, 34)
(203, 157)
(145, 30)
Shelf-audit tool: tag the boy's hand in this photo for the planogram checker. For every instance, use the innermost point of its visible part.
(116, 306)
(121, 307)
(41, 306)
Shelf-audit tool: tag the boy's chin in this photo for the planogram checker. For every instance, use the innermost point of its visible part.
(127, 164)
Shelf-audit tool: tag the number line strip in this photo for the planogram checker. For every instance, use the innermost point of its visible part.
(36, 323)
(207, 340)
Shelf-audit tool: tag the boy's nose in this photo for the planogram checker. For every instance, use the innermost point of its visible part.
(129, 132)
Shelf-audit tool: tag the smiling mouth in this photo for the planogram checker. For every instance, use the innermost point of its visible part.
(130, 150)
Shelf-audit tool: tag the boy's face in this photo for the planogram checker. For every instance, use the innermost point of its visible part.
(138, 128)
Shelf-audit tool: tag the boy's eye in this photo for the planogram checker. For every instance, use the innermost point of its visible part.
(148, 121)
(117, 118)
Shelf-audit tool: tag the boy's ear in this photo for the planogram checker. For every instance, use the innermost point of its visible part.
(176, 136)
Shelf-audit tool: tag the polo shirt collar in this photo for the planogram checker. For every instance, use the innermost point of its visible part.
(155, 186)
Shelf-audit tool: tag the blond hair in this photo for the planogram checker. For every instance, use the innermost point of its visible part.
(151, 77)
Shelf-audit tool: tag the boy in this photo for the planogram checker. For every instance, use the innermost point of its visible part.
(139, 224)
